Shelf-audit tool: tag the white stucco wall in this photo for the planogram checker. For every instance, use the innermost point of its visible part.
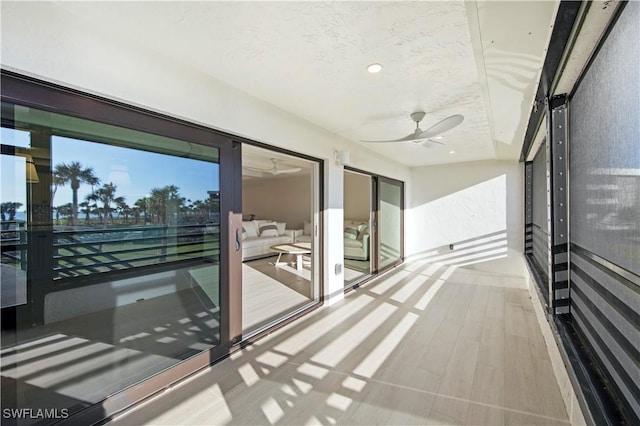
(47, 42)
(476, 206)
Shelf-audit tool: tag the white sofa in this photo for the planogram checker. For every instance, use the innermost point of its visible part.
(259, 235)
(305, 237)
(356, 239)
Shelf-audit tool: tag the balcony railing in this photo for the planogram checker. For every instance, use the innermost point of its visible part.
(85, 252)
(82, 252)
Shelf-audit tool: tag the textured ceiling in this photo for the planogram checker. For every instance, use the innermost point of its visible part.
(481, 60)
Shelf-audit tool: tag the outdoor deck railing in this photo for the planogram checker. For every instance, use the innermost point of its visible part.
(81, 252)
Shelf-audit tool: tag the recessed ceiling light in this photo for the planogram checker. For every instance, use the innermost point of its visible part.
(374, 68)
(452, 152)
(439, 138)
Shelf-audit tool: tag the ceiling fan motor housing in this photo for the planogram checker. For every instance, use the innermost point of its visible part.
(418, 116)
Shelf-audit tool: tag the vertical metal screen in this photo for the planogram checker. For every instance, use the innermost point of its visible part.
(604, 194)
(540, 227)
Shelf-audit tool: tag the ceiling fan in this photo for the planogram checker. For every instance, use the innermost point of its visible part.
(419, 135)
(274, 170)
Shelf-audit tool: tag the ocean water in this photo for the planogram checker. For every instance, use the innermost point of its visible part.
(21, 216)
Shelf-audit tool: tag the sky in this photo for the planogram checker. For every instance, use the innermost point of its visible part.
(134, 172)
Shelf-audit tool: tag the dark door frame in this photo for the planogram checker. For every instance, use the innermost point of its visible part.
(375, 216)
(399, 184)
(30, 92)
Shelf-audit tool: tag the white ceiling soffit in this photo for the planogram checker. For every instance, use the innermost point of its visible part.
(539, 139)
(510, 44)
(592, 29)
(481, 60)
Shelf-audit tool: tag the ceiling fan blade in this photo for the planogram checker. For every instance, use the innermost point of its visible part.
(428, 141)
(442, 126)
(280, 171)
(256, 169)
(410, 137)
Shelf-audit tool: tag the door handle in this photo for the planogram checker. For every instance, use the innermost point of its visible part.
(237, 239)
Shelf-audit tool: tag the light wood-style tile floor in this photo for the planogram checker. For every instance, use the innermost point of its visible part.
(424, 344)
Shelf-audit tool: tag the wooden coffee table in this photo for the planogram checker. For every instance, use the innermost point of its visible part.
(299, 249)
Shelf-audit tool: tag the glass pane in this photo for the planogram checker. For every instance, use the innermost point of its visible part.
(17, 173)
(357, 227)
(279, 244)
(125, 215)
(124, 259)
(390, 223)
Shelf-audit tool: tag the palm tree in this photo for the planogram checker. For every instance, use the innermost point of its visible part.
(123, 209)
(106, 194)
(163, 200)
(140, 209)
(88, 207)
(9, 208)
(119, 203)
(65, 210)
(74, 174)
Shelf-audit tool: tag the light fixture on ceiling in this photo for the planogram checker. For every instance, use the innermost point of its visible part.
(374, 68)
(439, 138)
(452, 152)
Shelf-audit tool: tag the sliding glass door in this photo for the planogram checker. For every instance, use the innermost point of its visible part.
(358, 236)
(126, 263)
(390, 222)
(113, 269)
(373, 225)
(280, 238)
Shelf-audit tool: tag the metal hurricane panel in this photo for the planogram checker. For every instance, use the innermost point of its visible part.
(604, 203)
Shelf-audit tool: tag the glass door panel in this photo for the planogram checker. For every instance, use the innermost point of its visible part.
(390, 222)
(357, 227)
(280, 240)
(122, 233)
(17, 175)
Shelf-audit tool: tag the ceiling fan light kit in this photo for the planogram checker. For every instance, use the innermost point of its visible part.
(419, 135)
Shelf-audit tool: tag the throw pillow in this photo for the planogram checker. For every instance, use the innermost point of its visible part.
(364, 231)
(350, 233)
(251, 228)
(281, 227)
(307, 228)
(269, 230)
(244, 234)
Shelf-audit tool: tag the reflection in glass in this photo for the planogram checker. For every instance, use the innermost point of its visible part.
(279, 245)
(124, 257)
(357, 227)
(390, 223)
(17, 172)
